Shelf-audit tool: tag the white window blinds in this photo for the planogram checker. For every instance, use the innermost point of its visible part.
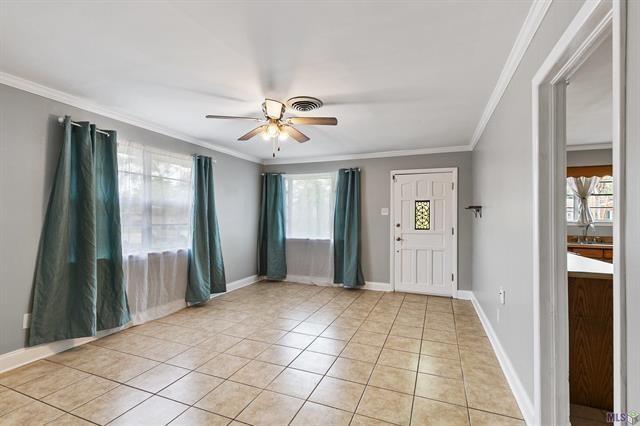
(155, 198)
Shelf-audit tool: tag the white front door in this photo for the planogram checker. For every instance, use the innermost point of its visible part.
(424, 220)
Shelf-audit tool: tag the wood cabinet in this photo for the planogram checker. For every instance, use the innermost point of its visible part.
(594, 251)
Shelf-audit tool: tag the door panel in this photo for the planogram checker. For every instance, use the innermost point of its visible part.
(423, 239)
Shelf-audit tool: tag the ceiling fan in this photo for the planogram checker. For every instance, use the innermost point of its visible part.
(276, 127)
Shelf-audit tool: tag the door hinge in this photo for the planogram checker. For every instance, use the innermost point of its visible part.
(394, 178)
(453, 231)
(453, 185)
(452, 279)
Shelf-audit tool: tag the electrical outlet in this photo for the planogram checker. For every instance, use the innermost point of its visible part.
(26, 321)
(384, 211)
(501, 295)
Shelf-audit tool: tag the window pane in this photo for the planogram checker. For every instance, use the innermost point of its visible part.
(309, 206)
(169, 201)
(169, 236)
(422, 215)
(169, 166)
(131, 187)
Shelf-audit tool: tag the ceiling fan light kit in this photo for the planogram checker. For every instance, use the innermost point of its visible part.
(276, 127)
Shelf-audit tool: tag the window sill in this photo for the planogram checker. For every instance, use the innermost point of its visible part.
(144, 254)
(328, 240)
(594, 224)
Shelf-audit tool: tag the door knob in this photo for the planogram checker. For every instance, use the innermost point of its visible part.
(398, 239)
(397, 225)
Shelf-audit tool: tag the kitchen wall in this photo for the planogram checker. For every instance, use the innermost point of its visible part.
(30, 141)
(375, 196)
(502, 183)
(591, 157)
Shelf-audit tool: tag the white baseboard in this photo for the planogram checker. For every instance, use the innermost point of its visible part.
(22, 356)
(519, 392)
(376, 286)
(464, 295)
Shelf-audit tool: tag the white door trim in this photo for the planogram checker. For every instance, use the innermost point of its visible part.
(595, 20)
(454, 212)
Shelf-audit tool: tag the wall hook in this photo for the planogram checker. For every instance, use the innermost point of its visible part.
(477, 210)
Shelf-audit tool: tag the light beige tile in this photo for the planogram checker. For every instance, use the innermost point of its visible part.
(157, 378)
(339, 333)
(351, 370)
(296, 340)
(224, 365)
(191, 387)
(369, 338)
(34, 413)
(482, 418)
(312, 414)
(395, 379)
(440, 366)
(327, 346)
(436, 413)
(271, 408)
(361, 352)
(311, 328)
(81, 392)
(247, 349)
(240, 330)
(281, 355)
(284, 324)
(386, 405)
(313, 362)
(403, 344)
(406, 331)
(219, 343)
(441, 389)
(192, 358)
(69, 420)
(359, 420)
(375, 326)
(493, 398)
(153, 411)
(21, 375)
(228, 399)
(195, 416)
(257, 373)
(112, 404)
(11, 400)
(438, 349)
(399, 359)
(337, 393)
(49, 383)
(296, 383)
(268, 335)
(444, 336)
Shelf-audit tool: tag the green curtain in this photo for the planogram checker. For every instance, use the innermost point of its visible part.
(272, 261)
(79, 285)
(206, 266)
(346, 230)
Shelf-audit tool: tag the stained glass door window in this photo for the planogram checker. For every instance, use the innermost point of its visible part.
(422, 215)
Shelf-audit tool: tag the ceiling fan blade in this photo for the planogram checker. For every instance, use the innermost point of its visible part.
(273, 109)
(295, 134)
(318, 121)
(252, 133)
(233, 117)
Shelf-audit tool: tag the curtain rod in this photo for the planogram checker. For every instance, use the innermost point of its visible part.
(73, 123)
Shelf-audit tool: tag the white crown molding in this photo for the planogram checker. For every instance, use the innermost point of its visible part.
(381, 154)
(529, 28)
(590, 146)
(87, 105)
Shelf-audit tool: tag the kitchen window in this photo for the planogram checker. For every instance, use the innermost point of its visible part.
(600, 202)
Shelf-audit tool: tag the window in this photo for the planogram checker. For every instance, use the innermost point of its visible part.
(155, 198)
(600, 202)
(309, 206)
(422, 215)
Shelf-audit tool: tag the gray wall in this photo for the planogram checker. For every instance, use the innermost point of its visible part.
(502, 183)
(30, 140)
(591, 157)
(375, 195)
(632, 213)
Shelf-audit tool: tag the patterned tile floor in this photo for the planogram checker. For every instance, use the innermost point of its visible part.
(277, 354)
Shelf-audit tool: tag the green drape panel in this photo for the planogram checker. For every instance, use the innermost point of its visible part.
(346, 230)
(206, 266)
(272, 261)
(79, 285)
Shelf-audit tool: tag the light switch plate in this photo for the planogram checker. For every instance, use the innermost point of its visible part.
(26, 321)
(384, 211)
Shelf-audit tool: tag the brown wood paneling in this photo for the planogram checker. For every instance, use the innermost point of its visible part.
(588, 171)
(591, 342)
(588, 252)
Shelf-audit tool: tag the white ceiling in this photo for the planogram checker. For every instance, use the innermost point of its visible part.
(398, 75)
(590, 99)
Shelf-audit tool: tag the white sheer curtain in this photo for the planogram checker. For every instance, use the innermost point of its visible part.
(155, 205)
(309, 201)
(583, 187)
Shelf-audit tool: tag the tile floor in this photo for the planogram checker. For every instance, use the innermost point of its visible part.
(277, 354)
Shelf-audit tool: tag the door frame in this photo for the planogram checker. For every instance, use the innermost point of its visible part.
(454, 213)
(593, 22)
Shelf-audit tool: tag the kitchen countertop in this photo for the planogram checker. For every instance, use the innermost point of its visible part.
(584, 267)
(591, 245)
